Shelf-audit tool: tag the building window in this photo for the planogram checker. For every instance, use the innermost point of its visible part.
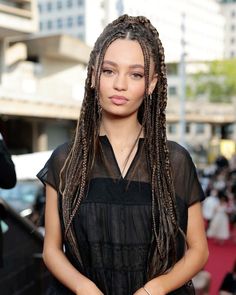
(233, 27)
(233, 13)
(69, 3)
(40, 7)
(187, 128)
(172, 128)
(232, 54)
(49, 24)
(80, 20)
(70, 22)
(59, 5)
(200, 128)
(59, 23)
(49, 6)
(40, 26)
(232, 40)
(80, 2)
(172, 90)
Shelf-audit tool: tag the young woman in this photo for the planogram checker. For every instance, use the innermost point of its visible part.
(123, 201)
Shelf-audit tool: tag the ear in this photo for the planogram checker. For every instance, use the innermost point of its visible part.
(153, 83)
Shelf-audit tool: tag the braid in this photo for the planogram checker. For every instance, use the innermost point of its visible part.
(74, 176)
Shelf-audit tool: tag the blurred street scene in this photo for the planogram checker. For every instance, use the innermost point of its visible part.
(44, 50)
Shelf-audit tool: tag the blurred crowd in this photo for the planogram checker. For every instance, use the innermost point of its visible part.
(219, 207)
(219, 212)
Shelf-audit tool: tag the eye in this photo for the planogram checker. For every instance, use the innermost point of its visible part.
(107, 72)
(137, 76)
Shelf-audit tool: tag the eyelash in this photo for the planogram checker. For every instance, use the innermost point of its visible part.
(110, 72)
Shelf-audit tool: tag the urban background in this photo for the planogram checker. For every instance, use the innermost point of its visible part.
(44, 50)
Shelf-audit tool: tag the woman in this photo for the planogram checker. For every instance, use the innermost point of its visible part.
(128, 200)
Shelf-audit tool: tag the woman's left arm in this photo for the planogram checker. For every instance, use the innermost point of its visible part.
(190, 264)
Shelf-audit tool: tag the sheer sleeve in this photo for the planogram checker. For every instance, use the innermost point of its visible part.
(186, 182)
(50, 173)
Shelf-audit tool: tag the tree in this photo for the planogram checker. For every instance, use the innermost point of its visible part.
(217, 83)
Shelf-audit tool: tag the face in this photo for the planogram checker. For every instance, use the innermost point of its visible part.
(122, 82)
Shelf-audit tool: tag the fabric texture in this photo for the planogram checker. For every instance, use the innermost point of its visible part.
(113, 224)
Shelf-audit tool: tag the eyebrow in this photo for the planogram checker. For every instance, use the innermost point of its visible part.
(115, 64)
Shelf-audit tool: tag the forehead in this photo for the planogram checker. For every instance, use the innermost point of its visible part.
(125, 51)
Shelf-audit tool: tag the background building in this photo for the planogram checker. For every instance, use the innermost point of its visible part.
(228, 9)
(85, 19)
(79, 18)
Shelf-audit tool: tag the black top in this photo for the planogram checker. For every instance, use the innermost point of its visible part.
(114, 224)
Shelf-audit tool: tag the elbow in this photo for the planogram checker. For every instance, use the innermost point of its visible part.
(204, 255)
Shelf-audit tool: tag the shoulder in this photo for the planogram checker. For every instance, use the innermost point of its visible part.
(177, 152)
(61, 152)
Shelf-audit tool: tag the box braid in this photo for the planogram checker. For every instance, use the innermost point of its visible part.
(74, 176)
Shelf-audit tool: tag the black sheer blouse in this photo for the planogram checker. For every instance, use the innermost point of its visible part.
(114, 225)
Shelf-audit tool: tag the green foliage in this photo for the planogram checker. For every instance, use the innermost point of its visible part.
(218, 83)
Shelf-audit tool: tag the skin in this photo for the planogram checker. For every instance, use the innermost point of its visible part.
(123, 78)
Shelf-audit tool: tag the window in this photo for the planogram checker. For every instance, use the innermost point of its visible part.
(187, 128)
(49, 24)
(80, 20)
(172, 90)
(232, 54)
(233, 13)
(80, 2)
(41, 26)
(49, 6)
(172, 128)
(69, 3)
(59, 23)
(70, 21)
(59, 5)
(40, 7)
(232, 27)
(232, 40)
(200, 128)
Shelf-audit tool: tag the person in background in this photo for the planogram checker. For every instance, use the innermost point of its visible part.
(7, 167)
(7, 181)
(228, 285)
(209, 206)
(123, 213)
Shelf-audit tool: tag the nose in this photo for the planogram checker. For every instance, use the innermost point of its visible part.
(120, 82)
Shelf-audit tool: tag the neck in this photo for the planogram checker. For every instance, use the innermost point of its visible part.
(120, 129)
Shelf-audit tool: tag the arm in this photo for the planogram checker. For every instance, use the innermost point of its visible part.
(53, 255)
(7, 168)
(190, 264)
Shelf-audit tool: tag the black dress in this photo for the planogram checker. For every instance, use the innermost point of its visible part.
(113, 224)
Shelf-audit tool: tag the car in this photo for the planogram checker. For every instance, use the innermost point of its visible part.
(24, 196)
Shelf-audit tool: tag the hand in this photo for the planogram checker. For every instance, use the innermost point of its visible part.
(90, 289)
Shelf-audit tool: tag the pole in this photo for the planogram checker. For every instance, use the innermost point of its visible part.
(182, 75)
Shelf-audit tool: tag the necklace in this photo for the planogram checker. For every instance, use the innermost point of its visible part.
(127, 159)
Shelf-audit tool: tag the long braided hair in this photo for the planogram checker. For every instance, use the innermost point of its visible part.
(74, 175)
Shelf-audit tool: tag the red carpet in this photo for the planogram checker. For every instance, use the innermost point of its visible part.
(220, 262)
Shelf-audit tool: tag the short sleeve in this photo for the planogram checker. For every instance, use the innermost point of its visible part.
(50, 173)
(186, 182)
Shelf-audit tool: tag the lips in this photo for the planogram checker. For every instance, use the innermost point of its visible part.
(118, 100)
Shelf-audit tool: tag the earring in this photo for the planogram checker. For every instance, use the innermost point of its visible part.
(150, 96)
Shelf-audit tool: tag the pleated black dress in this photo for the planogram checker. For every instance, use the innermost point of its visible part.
(113, 225)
